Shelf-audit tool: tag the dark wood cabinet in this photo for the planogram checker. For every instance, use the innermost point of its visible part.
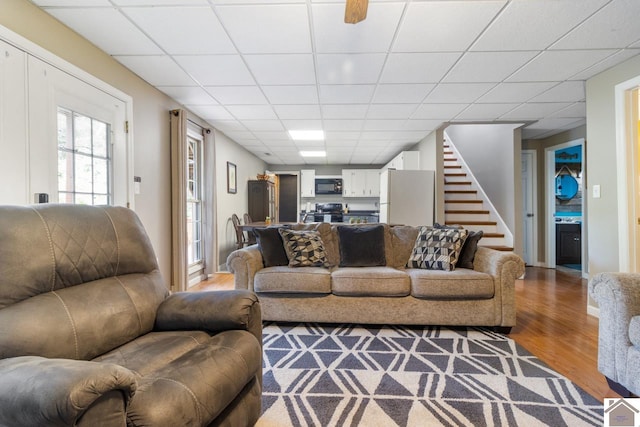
(568, 244)
(262, 200)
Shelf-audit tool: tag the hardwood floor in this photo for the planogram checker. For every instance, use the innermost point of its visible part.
(552, 324)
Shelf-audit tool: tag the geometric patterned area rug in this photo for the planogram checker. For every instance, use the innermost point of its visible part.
(357, 375)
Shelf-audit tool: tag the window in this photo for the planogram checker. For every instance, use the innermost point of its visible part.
(84, 159)
(194, 200)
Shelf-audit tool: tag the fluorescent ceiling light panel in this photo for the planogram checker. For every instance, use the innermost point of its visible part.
(307, 135)
(313, 153)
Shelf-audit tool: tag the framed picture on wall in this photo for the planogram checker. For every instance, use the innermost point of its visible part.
(232, 178)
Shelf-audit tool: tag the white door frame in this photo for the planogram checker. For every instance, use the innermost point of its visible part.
(626, 167)
(533, 166)
(550, 197)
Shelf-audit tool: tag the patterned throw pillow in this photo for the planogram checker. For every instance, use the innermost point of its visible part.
(304, 248)
(437, 249)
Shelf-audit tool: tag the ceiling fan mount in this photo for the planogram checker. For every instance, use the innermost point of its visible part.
(355, 11)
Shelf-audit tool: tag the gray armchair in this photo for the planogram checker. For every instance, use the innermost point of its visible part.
(618, 296)
(89, 334)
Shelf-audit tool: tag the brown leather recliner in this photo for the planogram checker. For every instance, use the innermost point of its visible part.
(90, 336)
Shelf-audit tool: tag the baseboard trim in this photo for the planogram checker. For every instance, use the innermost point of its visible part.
(593, 311)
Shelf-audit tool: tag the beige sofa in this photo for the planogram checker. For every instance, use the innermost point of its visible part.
(391, 294)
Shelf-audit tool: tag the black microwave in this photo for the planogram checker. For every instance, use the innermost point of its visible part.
(328, 186)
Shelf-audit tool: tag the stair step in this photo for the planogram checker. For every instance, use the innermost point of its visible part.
(471, 204)
(450, 159)
(493, 235)
(466, 211)
(460, 191)
(455, 174)
(447, 152)
(464, 201)
(460, 195)
(457, 183)
(452, 167)
(463, 223)
(497, 247)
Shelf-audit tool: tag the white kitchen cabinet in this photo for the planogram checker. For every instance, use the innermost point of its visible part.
(308, 183)
(406, 160)
(361, 183)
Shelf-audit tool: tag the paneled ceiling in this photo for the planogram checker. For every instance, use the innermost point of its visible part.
(256, 68)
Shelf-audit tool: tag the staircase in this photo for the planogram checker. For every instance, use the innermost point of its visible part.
(465, 207)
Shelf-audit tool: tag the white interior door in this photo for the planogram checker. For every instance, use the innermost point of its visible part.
(528, 208)
(49, 88)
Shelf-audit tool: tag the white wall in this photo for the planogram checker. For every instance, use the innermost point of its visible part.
(247, 167)
(431, 158)
(490, 153)
(602, 217)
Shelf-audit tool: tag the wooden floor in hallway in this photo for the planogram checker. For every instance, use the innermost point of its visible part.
(552, 324)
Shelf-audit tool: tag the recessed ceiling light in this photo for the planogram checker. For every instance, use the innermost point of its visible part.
(307, 135)
(313, 153)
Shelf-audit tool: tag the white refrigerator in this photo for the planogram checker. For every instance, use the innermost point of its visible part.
(407, 197)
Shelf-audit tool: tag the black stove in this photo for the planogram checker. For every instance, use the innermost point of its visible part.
(325, 211)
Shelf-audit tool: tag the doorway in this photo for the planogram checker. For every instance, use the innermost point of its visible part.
(564, 179)
(288, 198)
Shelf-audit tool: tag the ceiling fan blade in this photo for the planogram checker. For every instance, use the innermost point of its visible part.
(355, 11)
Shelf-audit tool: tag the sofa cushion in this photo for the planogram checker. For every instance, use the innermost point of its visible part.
(634, 331)
(370, 281)
(305, 280)
(437, 249)
(403, 238)
(271, 246)
(304, 248)
(361, 246)
(458, 284)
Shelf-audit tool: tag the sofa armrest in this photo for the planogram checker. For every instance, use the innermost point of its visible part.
(505, 268)
(36, 391)
(244, 264)
(213, 311)
(618, 297)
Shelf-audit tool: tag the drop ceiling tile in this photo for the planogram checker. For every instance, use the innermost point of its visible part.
(183, 30)
(613, 26)
(307, 124)
(302, 94)
(341, 135)
(391, 111)
(237, 95)
(341, 144)
(438, 111)
(343, 125)
(422, 125)
(233, 129)
(458, 92)
(445, 26)
(343, 68)
(252, 112)
(346, 94)
(159, 2)
(277, 135)
(551, 123)
(384, 124)
(564, 92)
(515, 92)
(344, 111)
(263, 125)
(211, 112)
(298, 111)
(558, 65)
(533, 25)
(282, 28)
(485, 111)
(94, 23)
(606, 63)
(72, 3)
(217, 70)
(401, 93)
(371, 35)
(391, 135)
(535, 111)
(487, 66)
(157, 70)
(188, 95)
(417, 67)
(282, 69)
(577, 110)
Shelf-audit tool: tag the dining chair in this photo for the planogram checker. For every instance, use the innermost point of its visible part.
(250, 237)
(240, 238)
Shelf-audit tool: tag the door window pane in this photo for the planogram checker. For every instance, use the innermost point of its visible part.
(84, 159)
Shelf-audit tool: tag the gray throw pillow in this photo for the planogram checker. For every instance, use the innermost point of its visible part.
(468, 252)
(361, 246)
(271, 246)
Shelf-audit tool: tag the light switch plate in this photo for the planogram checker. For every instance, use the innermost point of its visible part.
(596, 191)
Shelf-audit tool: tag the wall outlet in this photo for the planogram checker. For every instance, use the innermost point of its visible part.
(596, 191)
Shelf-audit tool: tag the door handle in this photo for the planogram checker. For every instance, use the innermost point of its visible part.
(529, 215)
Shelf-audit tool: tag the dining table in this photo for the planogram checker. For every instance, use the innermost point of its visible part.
(263, 224)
